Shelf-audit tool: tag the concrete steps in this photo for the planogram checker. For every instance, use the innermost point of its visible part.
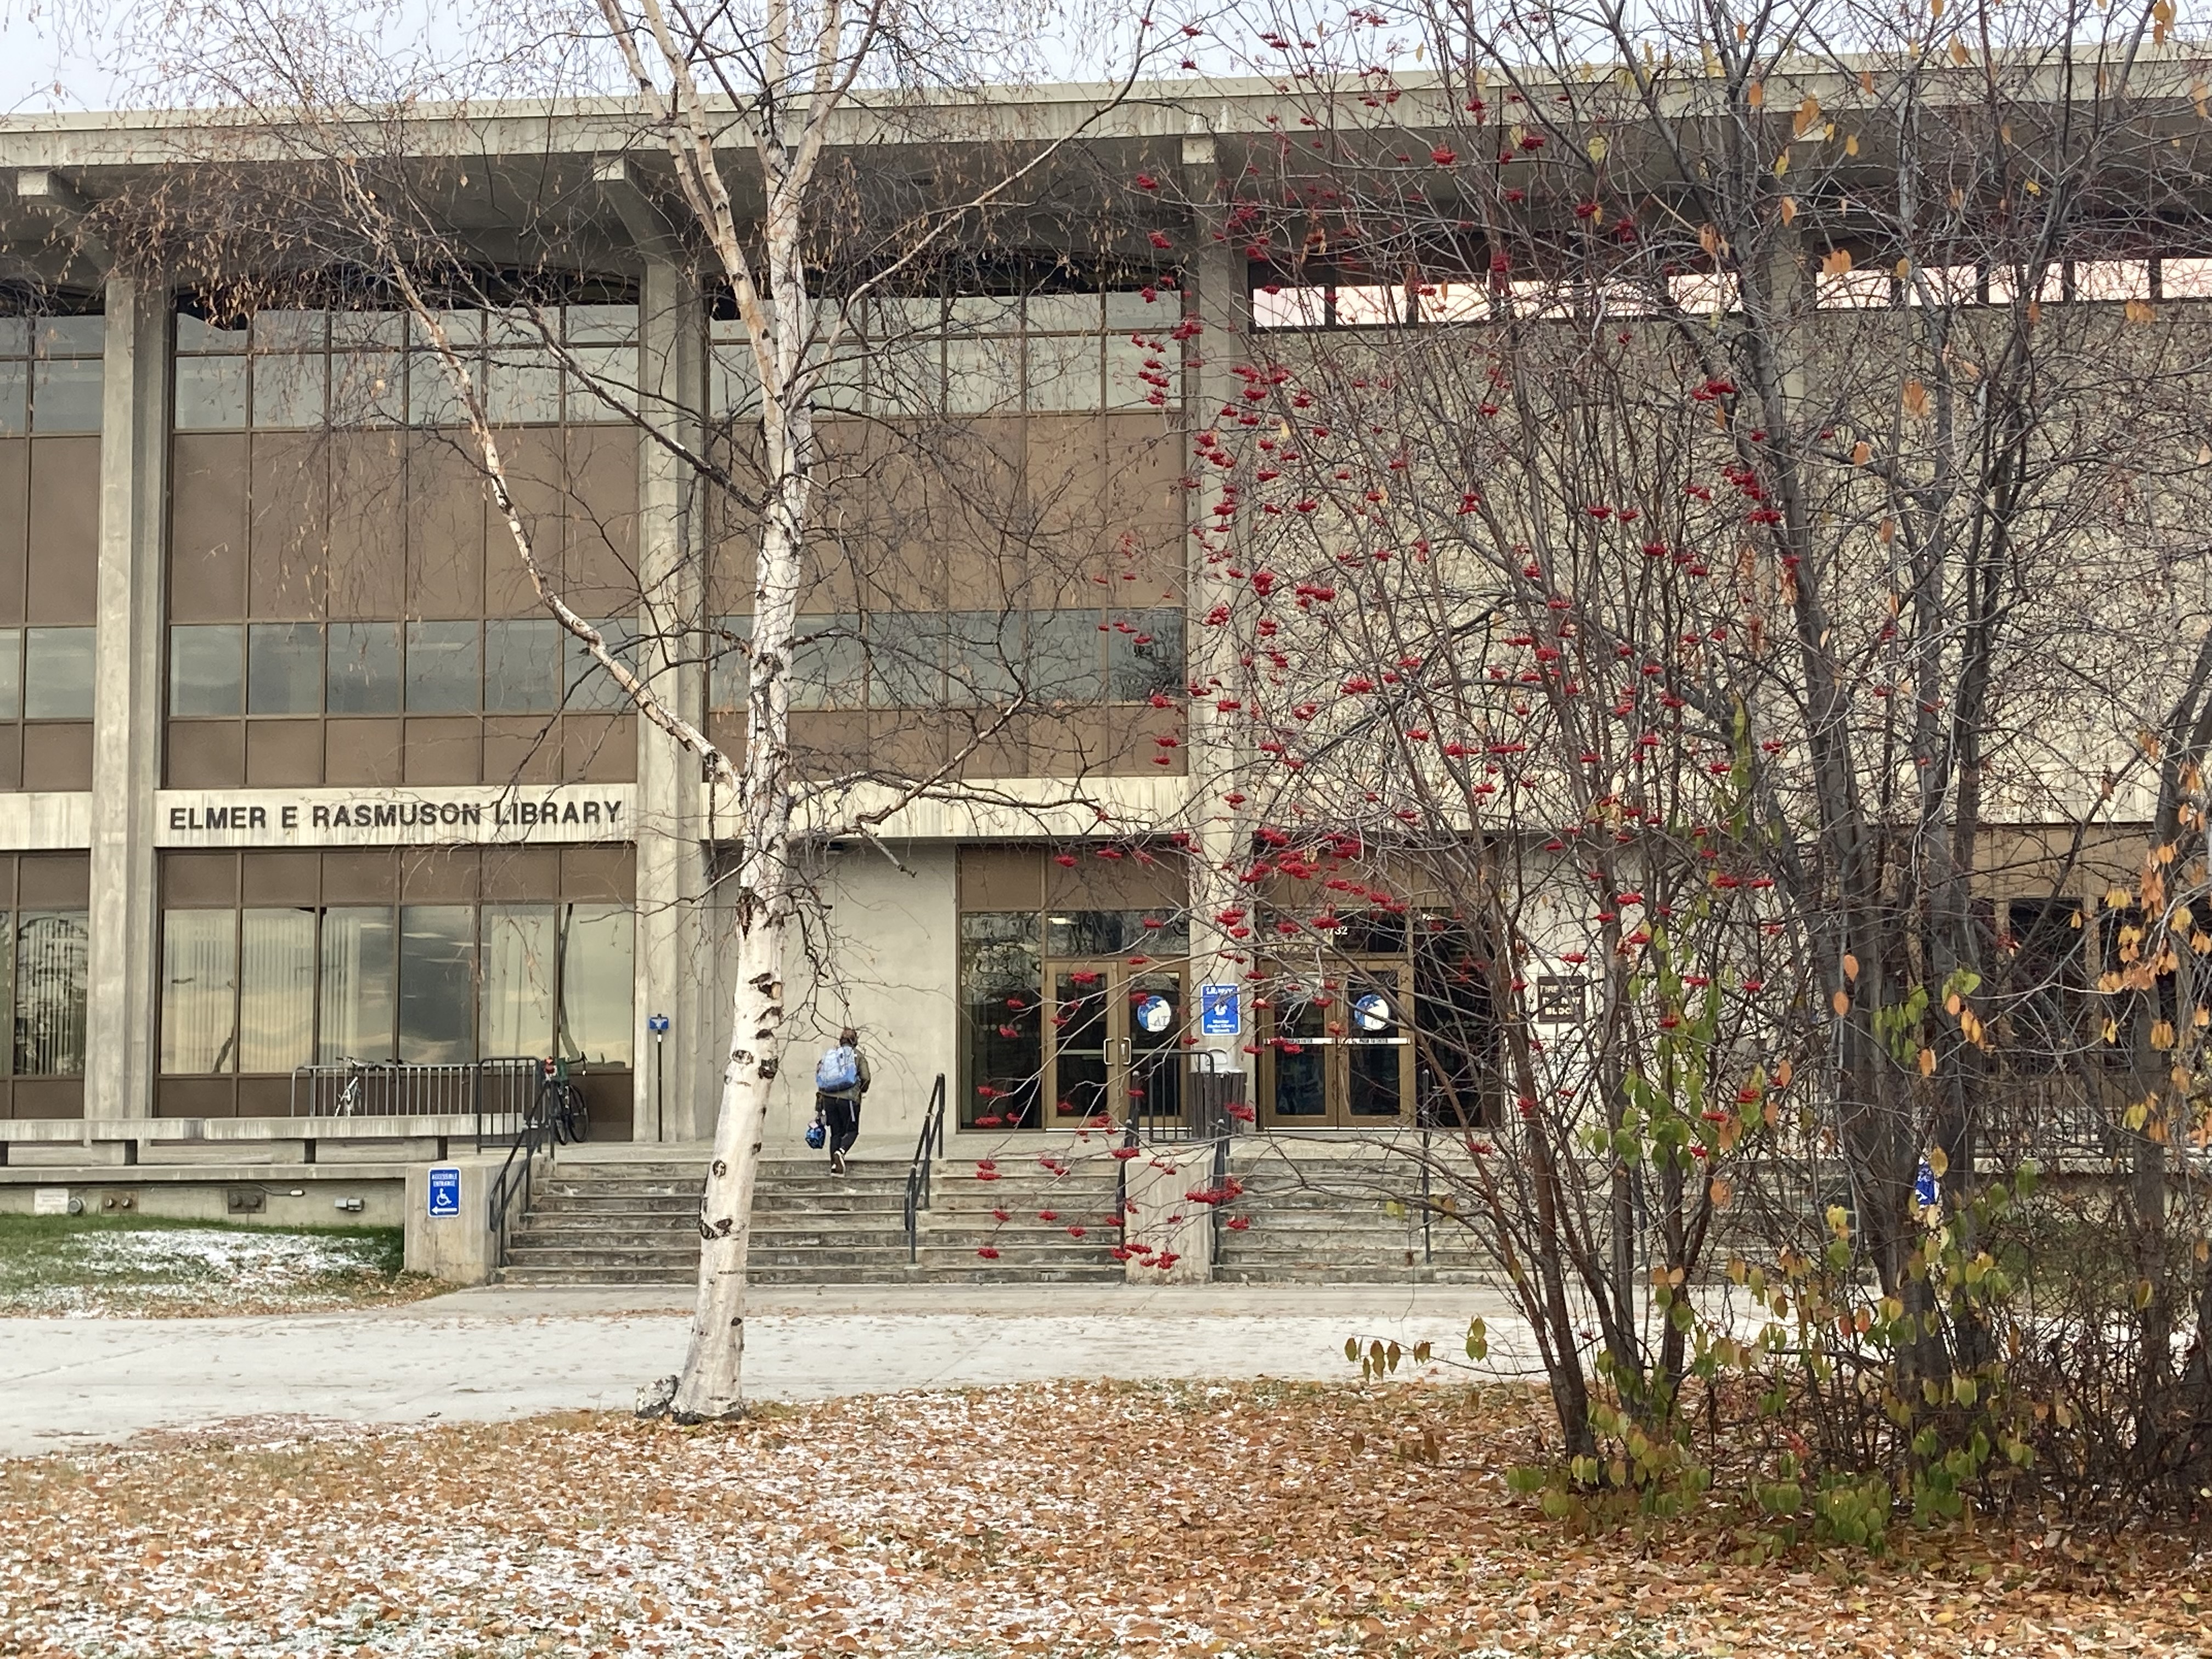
(1326, 1221)
(635, 1222)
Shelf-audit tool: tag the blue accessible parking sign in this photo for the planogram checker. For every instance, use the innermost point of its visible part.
(444, 1190)
(1220, 1012)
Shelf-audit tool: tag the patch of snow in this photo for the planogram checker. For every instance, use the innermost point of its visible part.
(270, 1260)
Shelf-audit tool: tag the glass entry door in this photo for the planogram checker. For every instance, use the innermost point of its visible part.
(1338, 1052)
(1113, 1043)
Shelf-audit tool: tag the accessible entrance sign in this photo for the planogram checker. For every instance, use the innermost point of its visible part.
(445, 1191)
(1220, 1012)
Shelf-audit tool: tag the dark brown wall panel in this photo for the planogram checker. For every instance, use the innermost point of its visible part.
(281, 752)
(360, 751)
(447, 750)
(64, 575)
(521, 749)
(368, 524)
(445, 531)
(207, 528)
(58, 755)
(14, 527)
(601, 556)
(206, 753)
(286, 563)
(537, 469)
(599, 748)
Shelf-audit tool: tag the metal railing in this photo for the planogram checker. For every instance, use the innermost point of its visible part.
(926, 1150)
(497, 1088)
(555, 1117)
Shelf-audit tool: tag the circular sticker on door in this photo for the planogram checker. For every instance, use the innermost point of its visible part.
(1156, 1014)
(1372, 1012)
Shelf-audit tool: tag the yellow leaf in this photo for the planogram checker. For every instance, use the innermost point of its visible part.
(1866, 80)
(1789, 209)
(1959, 51)
(1720, 1192)
(1952, 1004)
(1836, 263)
(1755, 95)
(1886, 530)
(1851, 145)
(1862, 453)
(2140, 311)
(2161, 1035)
(1597, 147)
(1783, 1073)
(1927, 1062)
(1938, 1162)
(1934, 8)
(1842, 1004)
(1916, 399)
(1808, 112)
(1850, 968)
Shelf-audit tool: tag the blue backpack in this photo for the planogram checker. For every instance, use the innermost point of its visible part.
(837, 1071)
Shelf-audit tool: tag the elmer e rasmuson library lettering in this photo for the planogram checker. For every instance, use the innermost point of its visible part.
(458, 814)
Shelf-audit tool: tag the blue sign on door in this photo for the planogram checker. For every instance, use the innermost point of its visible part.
(1220, 1012)
(444, 1190)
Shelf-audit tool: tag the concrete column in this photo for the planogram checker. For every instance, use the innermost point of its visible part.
(672, 970)
(126, 747)
(1217, 743)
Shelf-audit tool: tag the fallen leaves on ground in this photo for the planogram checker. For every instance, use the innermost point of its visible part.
(96, 1268)
(1061, 1521)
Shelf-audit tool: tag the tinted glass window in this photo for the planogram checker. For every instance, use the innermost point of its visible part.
(362, 674)
(205, 674)
(284, 668)
(58, 673)
(442, 667)
(522, 663)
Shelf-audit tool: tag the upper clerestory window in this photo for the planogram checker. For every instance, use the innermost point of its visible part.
(51, 373)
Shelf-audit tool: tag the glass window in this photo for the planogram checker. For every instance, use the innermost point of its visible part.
(1143, 655)
(58, 673)
(737, 382)
(367, 388)
(1064, 656)
(1127, 364)
(11, 672)
(590, 686)
(211, 393)
(283, 668)
(50, 952)
(15, 400)
(520, 663)
(516, 1013)
(985, 657)
(1001, 997)
(15, 336)
(70, 336)
(442, 667)
(522, 377)
(65, 396)
(287, 389)
(204, 334)
(601, 325)
(982, 376)
(431, 400)
(276, 989)
(437, 970)
(906, 653)
(729, 680)
(1135, 313)
(362, 676)
(1062, 314)
(1063, 372)
(829, 664)
(205, 674)
(614, 369)
(355, 1016)
(597, 946)
(199, 990)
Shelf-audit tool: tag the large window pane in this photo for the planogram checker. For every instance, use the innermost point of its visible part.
(1143, 655)
(986, 657)
(1064, 371)
(517, 1010)
(287, 389)
(597, 946)
(11, 672)
(205, 674)
(522, 376)
(437, 971)
(1064, 656)
(442, 667)
(1001, 1027)
(276, 989)
(829, 664)
(65, 396)
(362, 675)
(906, 656)
(431, 400)
(199, 985)
(283, 668)
(58, 673)
(211, 393)
(15, 400)
(50, 948)
(589, 685)
(613, 370)
(367, 388)
(521, 667)
(982, 376)
(355, 1016)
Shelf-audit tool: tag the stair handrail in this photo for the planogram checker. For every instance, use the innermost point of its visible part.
(925, 1151)
(556, 1117)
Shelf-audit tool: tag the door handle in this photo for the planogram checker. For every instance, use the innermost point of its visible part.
(1125, 1051)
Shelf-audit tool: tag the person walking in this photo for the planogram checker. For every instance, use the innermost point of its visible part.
(840, 1078)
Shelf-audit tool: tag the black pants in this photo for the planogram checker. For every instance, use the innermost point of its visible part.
(841, 1113)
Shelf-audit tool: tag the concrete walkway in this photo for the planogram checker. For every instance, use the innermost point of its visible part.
(494, 1353)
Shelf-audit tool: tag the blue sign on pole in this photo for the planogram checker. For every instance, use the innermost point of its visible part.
(1220, 1011)
(1925, 1194)
(444, 1190)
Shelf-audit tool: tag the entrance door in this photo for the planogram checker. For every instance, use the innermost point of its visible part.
(1338, 1052)
(1113, 1043)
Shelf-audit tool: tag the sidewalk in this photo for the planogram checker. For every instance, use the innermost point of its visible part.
(500, 1353)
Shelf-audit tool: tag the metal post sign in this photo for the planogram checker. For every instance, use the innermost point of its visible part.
(1220, 1010)
(444, 1190)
